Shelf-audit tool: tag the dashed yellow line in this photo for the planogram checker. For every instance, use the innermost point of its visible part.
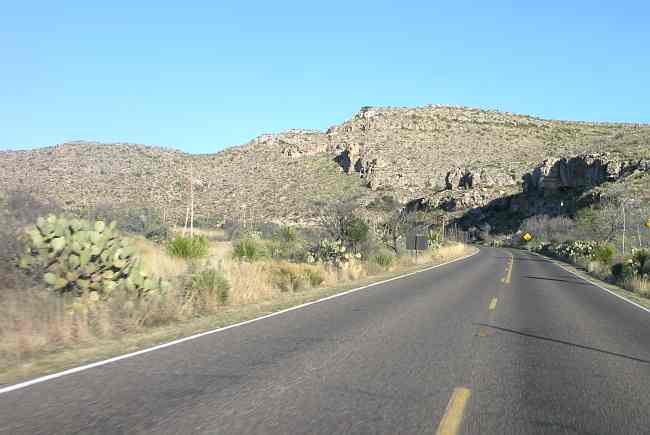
(506, 279)
(493, 304)
(450, 423)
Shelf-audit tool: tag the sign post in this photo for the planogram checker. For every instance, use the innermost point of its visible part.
(417, 242)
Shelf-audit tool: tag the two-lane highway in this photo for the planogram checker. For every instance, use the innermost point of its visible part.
(501, 342)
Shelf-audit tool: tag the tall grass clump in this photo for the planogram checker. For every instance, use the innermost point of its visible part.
(207, 289)
(248, 249)
(383, 259)
(188, 247)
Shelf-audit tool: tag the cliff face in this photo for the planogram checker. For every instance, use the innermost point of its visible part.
(449, 157)
(580, 172)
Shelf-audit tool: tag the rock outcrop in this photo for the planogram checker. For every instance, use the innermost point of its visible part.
(466, 178)
(580, 172)
(295, 143)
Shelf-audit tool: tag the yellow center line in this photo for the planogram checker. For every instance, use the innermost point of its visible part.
(493, 304)
(506, 279)
(450, 423)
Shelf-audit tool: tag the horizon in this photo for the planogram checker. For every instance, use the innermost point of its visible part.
(323, 130)
(202, 78)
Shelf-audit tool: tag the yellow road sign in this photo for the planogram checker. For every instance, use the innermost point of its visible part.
(527, 237)
(647, 223)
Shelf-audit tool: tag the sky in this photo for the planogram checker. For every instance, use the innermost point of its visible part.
(200, 76)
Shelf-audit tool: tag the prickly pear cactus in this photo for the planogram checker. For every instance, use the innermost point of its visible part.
(78, 256)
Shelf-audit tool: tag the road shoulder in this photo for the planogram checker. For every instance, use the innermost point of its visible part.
(628, 296)
(97, 353)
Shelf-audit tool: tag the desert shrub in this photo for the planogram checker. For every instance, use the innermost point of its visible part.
(623, 272)
(314, 276)
(383, 259)
(287, 244)
(331, 252)
(210, 285)
(292, 251)
(188, 247)
(603, 253)
(289, 278)
(249, 249)
(640, 258)
(355, 230)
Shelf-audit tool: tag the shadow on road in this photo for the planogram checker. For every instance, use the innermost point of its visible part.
(568, 343)
(570, 281)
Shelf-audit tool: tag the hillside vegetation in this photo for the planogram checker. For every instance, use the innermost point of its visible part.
(407, 153)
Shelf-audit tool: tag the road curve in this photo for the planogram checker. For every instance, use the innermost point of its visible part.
(502, 342)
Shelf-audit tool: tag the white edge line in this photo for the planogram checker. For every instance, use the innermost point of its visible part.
(213, 331)
(595, 284)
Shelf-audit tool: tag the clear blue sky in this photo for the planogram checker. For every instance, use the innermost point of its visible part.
(203, 75)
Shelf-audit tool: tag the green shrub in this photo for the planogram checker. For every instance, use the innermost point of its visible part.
(383, 259)
(77, 256)
(188, 247)
(212, 284)
(248, 249)
(285, 244)
(314, 276)
(355, 230)
(623, 272)
(604, 253)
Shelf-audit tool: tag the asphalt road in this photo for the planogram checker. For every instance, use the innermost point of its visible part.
(552, 354)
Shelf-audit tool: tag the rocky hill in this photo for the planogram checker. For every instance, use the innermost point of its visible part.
(448, 157)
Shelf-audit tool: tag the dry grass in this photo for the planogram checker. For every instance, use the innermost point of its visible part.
(156, 260)
(35, 322)
(639, 285)
(598, 269)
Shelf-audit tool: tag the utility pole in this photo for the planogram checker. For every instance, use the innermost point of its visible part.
(187, 216)
(623, 207)
(192, 201)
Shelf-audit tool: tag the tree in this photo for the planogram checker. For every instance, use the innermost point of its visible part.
(354, 230)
